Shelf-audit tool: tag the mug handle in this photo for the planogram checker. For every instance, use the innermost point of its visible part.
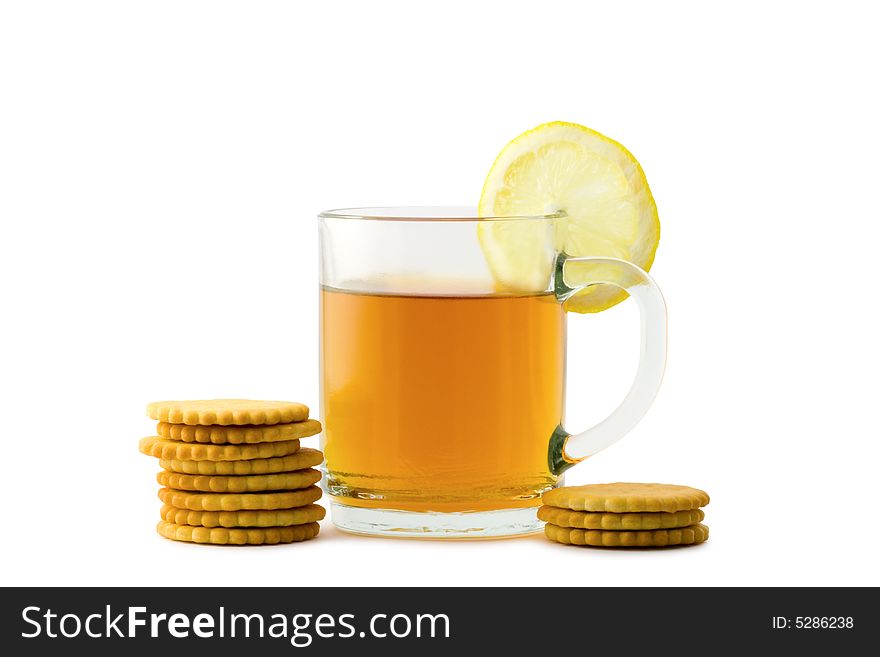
(567, 449)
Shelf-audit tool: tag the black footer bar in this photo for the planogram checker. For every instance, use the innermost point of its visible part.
(431, 620)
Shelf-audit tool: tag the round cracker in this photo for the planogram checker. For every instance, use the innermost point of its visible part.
(174, 449)
(239, 484)
(250, 536)
(278, 518)
(626, 498)
(619, 521)
(183, 499)
(654, 538)
(236, 435)
(227, 411)
(305, 457)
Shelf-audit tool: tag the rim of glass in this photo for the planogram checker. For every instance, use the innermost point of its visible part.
(428, 213)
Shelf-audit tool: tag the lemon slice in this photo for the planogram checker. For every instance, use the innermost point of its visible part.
(597, 187)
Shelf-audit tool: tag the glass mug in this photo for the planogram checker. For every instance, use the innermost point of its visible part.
(442, 398)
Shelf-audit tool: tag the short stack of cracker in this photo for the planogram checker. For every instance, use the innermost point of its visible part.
(233, 471)
(625, 515)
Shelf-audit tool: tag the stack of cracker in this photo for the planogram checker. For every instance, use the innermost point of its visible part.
(233, 471)
(625, 515)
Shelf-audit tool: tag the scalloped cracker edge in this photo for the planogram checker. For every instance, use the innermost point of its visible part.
(236, 435)
(623, 497)
(619, 521)
(655, 538)
(305, 457)
(250, 536)
(278, 518)
(238, 501)
(174, 449)
(227, 411)
(239, 483)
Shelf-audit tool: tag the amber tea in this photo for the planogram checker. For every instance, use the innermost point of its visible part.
(440, 403)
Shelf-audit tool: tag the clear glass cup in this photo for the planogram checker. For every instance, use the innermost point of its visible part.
(442, 396)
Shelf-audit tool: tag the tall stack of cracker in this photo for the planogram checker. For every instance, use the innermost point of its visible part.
(233, 471)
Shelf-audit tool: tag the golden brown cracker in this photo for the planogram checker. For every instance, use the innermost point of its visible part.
(619, 521)
(174, 449)
(227, 411)
(236, 435)
(278, 518)
(239, 483)
(249, 536)
(305, 457)
(653, 538)
(626, 498)
(238, 501)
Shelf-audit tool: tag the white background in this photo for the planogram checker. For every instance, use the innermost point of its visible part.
(161, 165)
